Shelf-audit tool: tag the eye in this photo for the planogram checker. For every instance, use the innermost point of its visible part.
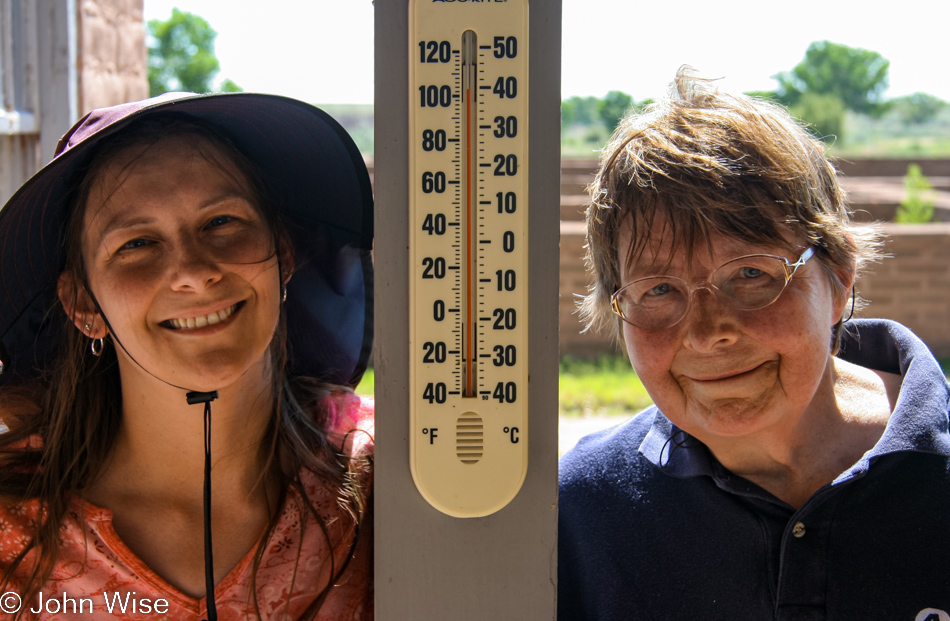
(750, 272)
(134, 243)
(660, 289)
(218, 221)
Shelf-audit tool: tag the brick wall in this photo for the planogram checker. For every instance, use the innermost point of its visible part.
(912, 286)
(112, 57)
(573, 282)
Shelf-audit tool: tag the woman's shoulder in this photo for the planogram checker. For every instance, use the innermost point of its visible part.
(350, 422)
(348, 419)
(17, 524)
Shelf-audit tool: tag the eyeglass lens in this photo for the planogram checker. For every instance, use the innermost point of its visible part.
(748, 283)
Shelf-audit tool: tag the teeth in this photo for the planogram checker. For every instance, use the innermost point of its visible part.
(200, 322)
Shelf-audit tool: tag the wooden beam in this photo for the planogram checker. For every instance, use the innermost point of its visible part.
(429, 565)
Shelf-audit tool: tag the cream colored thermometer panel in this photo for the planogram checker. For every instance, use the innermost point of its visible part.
(468, 167)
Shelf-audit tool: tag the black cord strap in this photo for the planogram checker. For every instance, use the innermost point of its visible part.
(207, 398)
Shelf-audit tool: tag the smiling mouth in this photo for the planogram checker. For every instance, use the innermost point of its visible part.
(202, 321)
(728, 375)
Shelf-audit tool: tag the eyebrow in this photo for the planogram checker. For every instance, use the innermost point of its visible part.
(118, 223)
(645, 269)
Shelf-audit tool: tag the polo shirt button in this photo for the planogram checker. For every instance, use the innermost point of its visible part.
(798, 530)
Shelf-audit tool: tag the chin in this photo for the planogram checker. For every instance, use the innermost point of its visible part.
(731, 417)
(221, 370)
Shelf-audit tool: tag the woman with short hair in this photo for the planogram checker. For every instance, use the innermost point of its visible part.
(795, 463)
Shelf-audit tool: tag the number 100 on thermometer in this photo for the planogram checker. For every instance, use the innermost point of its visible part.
(468, 202)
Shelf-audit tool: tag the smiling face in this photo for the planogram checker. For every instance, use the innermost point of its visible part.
(182, 263)
(726, 373)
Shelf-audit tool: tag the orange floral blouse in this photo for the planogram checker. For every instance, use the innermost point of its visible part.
(97, 577)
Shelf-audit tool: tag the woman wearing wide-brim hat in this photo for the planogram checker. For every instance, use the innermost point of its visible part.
(185, 303)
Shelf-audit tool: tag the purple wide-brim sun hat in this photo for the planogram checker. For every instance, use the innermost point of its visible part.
(327, 207)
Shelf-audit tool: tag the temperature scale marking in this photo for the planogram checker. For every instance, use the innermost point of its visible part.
(468, 167)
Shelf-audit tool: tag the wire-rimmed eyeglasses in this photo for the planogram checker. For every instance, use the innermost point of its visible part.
(748, 282)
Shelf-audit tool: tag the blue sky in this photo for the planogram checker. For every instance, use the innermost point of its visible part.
(321, 51)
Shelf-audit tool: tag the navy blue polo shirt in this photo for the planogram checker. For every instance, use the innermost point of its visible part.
(651, 526)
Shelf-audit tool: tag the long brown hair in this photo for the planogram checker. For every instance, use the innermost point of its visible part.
(75, 408)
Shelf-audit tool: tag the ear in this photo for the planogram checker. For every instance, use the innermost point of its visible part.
(846, 277)
(285, 256)
(79, 308)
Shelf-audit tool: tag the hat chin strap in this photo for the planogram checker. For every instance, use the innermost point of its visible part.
(193, 397)
(206, 398)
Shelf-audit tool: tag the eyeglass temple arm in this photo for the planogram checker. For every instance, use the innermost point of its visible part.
(791, 268)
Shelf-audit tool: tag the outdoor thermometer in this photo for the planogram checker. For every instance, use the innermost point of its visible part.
(468, 204)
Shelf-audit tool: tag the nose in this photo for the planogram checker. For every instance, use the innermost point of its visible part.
(192, 268)
(710, 322)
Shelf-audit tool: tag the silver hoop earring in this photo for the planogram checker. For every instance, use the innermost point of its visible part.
(283, 294)
(96, 347)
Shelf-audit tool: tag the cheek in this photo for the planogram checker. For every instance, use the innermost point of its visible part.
(132, 277)
(798, 319)
(651, 353)
(263, 276)
(120, 292)
(126, 290)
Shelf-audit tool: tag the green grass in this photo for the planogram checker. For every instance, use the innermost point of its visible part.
(604, 387)
(367, 385)
(607, 386)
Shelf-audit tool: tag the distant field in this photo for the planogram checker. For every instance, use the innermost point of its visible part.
(607, 386)
(604, 387)
(863, 136)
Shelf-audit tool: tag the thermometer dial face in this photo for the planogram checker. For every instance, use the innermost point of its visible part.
(468, 167)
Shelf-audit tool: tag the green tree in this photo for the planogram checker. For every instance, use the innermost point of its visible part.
(181, 55)
(579, 111)
(916, 207)
(824, 115)
(855, 76)
(614, 107)
(767, 95)
(918, 108)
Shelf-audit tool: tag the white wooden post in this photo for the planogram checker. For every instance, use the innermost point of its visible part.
(429, 566)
